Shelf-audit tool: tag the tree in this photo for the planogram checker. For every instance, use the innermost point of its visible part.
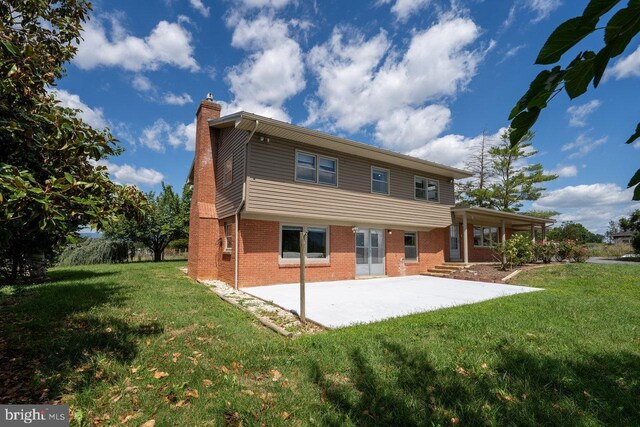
(507, 179)
(585, 68)
(541, 214)
(570, 230)
(632, 223)
(612, 229)
(51, 183)
(475, 191)
(167, 220)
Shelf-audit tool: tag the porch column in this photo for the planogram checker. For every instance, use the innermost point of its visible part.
(465, 237)
(544, 233)
(504, 237)
(533, 233)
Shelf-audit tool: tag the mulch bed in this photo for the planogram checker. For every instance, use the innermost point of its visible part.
(491, 273)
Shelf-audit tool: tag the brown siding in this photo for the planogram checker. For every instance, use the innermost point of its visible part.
(229, 198)
(272, 190)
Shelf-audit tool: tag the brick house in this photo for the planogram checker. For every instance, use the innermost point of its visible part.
(258, 182)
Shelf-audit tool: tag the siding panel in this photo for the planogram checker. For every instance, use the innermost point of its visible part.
(231, 144)
(272, 190)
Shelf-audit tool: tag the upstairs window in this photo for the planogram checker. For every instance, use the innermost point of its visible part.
(316, 169)
(379, 180)
(228, 171)
(426, 189)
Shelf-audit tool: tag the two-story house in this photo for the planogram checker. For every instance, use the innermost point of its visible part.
(367, 211)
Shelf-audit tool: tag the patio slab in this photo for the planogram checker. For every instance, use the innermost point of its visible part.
(348, 302)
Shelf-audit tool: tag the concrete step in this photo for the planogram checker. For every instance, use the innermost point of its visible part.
(450, 268)
(429, 273)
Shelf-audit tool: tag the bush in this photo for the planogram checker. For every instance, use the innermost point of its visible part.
(515, 251)
(545, 251)
(95, 251)
(580, 254)
(635, 242)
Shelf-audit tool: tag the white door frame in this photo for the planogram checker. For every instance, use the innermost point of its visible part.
(366, 249)
(454, 236)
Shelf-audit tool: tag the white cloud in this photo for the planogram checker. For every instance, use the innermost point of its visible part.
(160, 132)
(173, 99)
(142, 83)
(405, 8)
(130, 175)
(579, 113)
(592, 205)
(511, 17)
(513, 51)
(362, 82)
(273, 71)
(453, 150)
(565, 171)
(258, 4)
(583, 145)
(407, 128)
(628, 66)
(92, 116)
(542, 8)
(200, 7)
(167, 44)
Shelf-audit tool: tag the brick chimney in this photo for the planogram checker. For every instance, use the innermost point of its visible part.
(204, 229)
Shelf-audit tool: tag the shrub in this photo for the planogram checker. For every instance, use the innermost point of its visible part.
(635, 242)
(580, 254)
(515, 251)
(545, 251)
(95, 251)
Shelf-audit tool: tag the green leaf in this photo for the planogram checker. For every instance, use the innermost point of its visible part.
(596, 8)
(622, 27)
(539, 92)
(635, 136)
(635, 180)
(600, 63)
(522, 124)
(69, 177)
(577, 79)
(11, 48)
(563, 38)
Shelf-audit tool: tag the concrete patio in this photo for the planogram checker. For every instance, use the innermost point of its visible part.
(348, 302)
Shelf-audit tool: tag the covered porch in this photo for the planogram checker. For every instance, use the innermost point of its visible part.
(475, 229)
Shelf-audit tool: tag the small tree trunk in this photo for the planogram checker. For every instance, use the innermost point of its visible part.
(157, 255)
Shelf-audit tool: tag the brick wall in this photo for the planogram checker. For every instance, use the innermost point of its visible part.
(259, 256)
(431, 252)
(204, 229)
(479, 254)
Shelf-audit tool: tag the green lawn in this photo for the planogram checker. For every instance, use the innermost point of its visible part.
(138, 342)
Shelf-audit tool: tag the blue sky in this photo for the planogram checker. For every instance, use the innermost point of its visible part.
(424, 77)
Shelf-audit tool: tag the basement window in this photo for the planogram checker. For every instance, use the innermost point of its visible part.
(317, 243)
(411, 246)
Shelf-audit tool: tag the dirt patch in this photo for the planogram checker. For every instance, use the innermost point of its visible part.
(491, 273)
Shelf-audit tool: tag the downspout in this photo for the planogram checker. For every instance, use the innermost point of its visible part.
(240, 206)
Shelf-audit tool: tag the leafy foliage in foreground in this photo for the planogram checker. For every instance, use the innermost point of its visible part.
(50, 180)
(133, 342)
(585, 68)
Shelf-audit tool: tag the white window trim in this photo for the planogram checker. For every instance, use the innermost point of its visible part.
(228, 246)
(482, 227)
(426, 190)
(296, 261)
(388, 180)
(417, 259)
(224, 172)
(317, 157)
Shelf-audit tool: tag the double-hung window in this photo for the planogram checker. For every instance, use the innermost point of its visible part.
(426, 189)
(228, 236)
(316, 169)
(379, 180)
(228, 171)
(485, 236)
(317, 242)
(411, 246)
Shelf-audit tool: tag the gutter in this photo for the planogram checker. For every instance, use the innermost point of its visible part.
(241, 205)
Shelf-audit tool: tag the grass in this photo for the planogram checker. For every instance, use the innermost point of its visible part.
(130, 343)
(609, 251)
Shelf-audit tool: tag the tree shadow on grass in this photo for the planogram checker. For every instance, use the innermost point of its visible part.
(55, 338)
(402, 387)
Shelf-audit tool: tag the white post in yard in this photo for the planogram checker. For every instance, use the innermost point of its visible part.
(504, 237)
(303, 256)
(465, 237)
(533, 233)
(544, 233)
